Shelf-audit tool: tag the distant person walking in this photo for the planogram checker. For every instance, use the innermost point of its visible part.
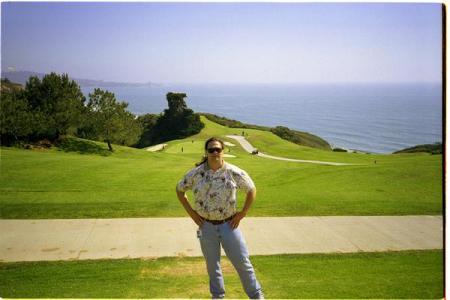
(214, 183)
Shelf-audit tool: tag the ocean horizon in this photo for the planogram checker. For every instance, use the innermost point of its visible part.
(376, 118)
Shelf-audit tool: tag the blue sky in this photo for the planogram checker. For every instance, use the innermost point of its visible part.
(226, 42)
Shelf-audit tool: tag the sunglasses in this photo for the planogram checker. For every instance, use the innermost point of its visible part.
(212, 150)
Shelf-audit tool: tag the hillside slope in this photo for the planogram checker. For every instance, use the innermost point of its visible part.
(295, 136)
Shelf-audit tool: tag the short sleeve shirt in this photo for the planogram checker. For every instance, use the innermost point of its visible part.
(215, 192)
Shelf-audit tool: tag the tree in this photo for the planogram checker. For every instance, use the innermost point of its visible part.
(110, 120)
(87, 129)
(147, 122)
(59, 100)
(178, 121)
(176, 102)
(16, 122)
(131, 130)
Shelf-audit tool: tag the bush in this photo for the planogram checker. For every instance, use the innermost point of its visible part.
(339, 150)
(435, 148)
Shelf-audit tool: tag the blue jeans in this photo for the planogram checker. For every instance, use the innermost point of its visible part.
(232, 241)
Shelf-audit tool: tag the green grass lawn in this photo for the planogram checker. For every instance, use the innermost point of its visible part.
(84, 180)
(406, 274)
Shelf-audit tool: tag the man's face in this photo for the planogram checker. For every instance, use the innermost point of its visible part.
(217, 153)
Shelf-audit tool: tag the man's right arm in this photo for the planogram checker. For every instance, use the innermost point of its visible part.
(192, 213)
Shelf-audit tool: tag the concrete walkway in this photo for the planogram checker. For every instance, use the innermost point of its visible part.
(72, 239)
(249, 148)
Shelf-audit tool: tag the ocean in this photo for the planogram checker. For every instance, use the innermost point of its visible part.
(377, 118)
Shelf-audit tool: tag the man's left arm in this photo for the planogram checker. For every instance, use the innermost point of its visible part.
(251, 195)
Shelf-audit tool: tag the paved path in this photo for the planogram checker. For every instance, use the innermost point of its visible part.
(249, 148)
(72, 239)
(155, 148)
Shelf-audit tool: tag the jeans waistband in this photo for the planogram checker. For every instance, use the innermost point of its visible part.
(218, 222)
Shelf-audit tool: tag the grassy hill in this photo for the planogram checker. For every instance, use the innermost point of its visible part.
(427, 148)
(297, 137)
(82, 179)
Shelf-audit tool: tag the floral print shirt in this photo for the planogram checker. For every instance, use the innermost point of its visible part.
(215, 192)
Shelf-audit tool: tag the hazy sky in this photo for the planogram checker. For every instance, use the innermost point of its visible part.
(225, 42)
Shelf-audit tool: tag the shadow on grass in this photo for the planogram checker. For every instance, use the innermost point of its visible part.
(82, 147)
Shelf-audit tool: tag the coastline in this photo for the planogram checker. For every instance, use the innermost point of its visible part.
(376, 118)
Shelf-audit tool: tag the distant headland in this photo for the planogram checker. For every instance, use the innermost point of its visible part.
(23, 76)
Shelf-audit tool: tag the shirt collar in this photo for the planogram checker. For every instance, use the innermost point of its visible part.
(222, 168)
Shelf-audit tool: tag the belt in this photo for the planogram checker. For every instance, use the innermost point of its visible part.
(218, 222)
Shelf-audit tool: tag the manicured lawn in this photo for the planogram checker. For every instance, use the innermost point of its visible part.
(137, 183)
(84, 180)
(407, 274)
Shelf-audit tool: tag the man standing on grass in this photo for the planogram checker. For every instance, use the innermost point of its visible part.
(214, 183)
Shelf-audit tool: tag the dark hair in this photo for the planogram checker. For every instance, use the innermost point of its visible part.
(205, 157)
